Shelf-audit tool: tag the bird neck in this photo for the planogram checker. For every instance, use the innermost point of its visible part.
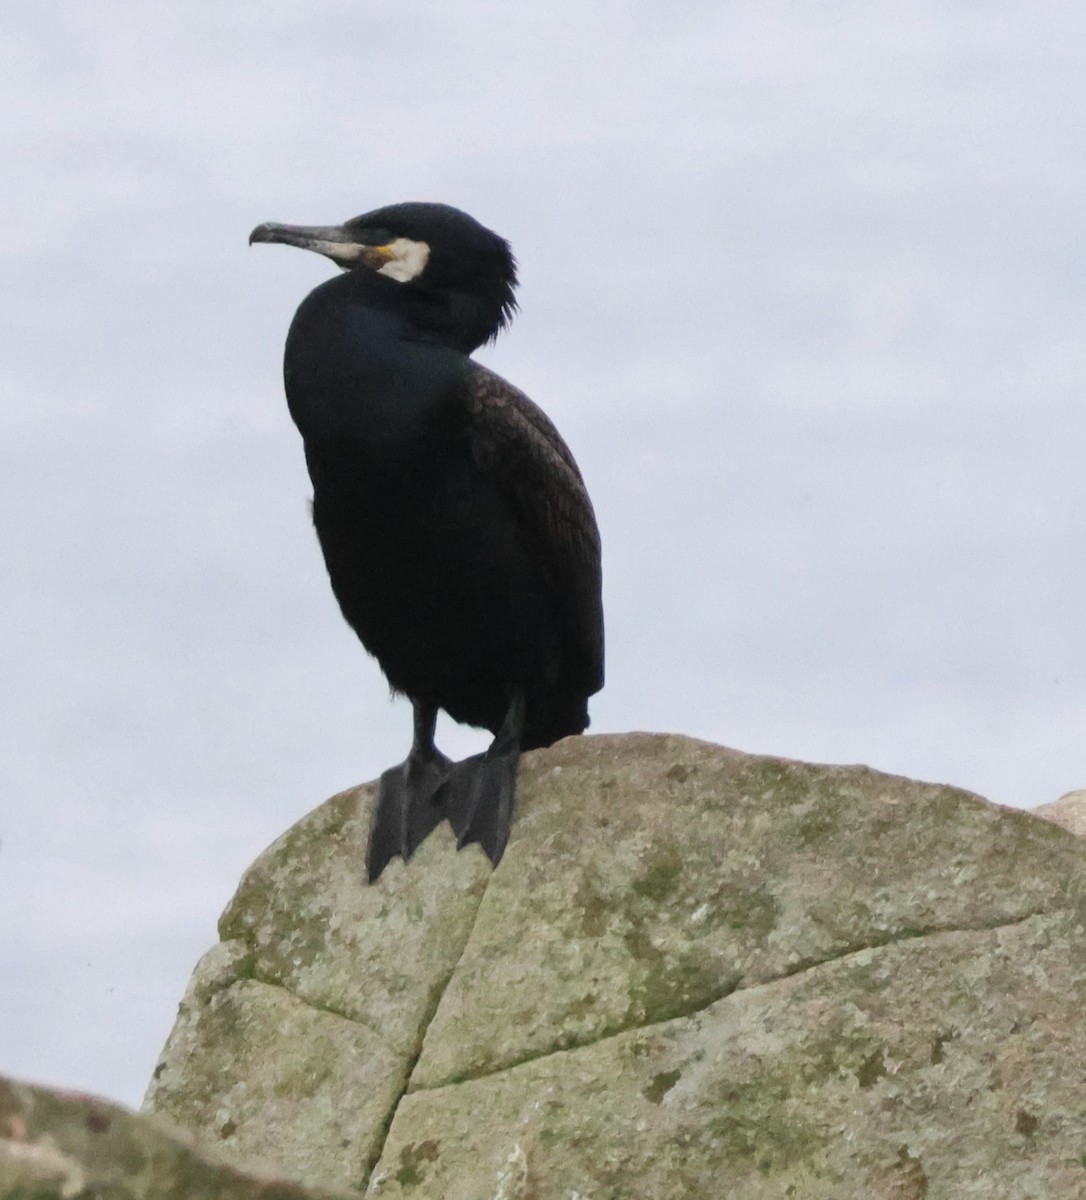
(365, 370)
(460, 320)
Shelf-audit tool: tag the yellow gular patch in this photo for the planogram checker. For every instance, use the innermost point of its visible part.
(406, 260)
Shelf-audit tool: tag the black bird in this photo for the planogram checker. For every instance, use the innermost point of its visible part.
(458, 535)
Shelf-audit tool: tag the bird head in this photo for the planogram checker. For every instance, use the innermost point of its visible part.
(455, 272)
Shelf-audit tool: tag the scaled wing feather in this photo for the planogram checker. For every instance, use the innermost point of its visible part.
(516, 445)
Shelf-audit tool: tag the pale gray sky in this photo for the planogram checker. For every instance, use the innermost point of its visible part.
(803, 286)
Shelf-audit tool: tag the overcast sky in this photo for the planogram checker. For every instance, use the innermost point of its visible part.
(804, 286)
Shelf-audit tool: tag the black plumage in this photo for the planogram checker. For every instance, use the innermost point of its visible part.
(458, 535)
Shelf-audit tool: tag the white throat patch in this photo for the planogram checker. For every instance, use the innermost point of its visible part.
(408, 260)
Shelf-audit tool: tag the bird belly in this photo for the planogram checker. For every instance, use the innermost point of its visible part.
(434, 575)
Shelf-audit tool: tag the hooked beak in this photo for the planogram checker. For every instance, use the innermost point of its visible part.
(333, 241)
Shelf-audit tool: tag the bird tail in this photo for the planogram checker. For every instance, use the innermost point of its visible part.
(552, 717)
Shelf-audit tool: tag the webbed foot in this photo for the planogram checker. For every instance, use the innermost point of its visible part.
(407, 811)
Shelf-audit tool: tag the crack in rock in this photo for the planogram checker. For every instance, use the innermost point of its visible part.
(681, 1014)
(910, 936)
(268, 981)
(905, 935)
(424, 1026)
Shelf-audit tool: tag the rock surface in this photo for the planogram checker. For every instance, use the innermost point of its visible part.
(695, 973)
(66, 1146)
(1069, 811)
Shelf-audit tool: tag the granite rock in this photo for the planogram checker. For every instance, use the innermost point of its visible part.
(696, 972)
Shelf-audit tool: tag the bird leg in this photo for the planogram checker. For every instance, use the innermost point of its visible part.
(406, 811)
(478, 796)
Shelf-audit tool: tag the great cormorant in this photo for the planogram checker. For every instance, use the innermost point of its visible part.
(458, 535)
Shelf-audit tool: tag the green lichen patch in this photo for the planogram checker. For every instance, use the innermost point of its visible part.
(413, 1159)
(661, 1085)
